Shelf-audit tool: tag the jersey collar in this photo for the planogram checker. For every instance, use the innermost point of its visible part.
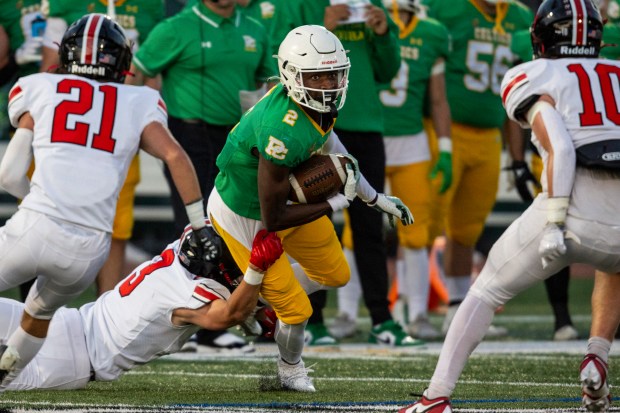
(215, 20)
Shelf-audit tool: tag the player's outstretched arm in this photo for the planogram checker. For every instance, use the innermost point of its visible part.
(222, 314)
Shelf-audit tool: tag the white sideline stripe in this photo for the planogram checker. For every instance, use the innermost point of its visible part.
(345, 379)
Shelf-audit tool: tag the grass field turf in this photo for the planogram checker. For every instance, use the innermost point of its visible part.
(515, 374)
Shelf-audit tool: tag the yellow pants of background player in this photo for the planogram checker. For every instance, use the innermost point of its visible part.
(123, 219)
(476, 156)
(411, 184)
(315, 247)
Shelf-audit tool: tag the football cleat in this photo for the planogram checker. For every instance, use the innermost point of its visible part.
(390, 333)
(594, 387)
(422, 328)
(316, 334)
(295, 376)
(425, 405)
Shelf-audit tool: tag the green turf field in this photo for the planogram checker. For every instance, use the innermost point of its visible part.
(520, 373)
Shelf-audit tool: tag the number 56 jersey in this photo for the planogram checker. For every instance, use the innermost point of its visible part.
(85, 136)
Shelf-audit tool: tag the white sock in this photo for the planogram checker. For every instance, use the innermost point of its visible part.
(599, 347)
(416, 282)
(26, 345)
(457, 287)
(290, 340)
(349, 295)
(468, 328)
(310, 286)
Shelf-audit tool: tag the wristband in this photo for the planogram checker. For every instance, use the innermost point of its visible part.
(253, 277)
(557, 209)
(445, 144)
(196, 214)
(338, 202)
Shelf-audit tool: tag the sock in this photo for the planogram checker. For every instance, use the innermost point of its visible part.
(27, 346)
(349, 295)
(457, 288)
(290, 340)
(599, 347)
(470, 324)
(416, 284)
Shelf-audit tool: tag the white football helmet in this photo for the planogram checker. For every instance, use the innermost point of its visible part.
(308, 49)
(412, 6)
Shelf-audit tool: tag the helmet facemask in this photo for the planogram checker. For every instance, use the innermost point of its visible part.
(320, 100)
(313, 49)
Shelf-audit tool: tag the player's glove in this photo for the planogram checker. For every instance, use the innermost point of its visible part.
(524, 181)
(266, 249)
(353, 177)
(443, 164)
(262, 322)
(394, 207)
(551, 246)
(207, 243)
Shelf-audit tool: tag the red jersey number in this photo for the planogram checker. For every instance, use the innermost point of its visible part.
(132, 281)
(604, 72)
(79, 134)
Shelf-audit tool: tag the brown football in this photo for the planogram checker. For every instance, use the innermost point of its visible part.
(318, 178)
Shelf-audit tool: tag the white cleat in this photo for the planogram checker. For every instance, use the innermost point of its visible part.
(593, 376)
(295, 376)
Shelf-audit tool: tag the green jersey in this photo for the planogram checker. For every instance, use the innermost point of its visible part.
(281, 131)
(205, 60)
(521, 47)
(374, 60)
(480, 57)
(422, 42)
(137, 17)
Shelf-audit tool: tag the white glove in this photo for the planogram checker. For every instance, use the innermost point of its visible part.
(353, 176)
(394, 207)
(338, 202)
(551, 245)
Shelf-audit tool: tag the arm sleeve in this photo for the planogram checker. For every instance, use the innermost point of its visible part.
(15, 164)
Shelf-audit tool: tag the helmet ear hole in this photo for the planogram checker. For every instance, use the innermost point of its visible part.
(95, 46)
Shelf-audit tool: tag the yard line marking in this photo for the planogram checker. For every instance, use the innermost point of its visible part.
(338, 379)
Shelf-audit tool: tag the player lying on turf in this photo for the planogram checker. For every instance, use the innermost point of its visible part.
(151, 313)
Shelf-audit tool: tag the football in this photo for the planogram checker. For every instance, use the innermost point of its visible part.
(318, 178)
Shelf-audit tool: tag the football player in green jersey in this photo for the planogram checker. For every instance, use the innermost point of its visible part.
(481, 33)
(291, 123)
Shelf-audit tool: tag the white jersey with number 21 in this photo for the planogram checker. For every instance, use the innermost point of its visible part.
(85, 136)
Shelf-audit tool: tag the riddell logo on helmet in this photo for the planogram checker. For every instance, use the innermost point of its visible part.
(329, 62)
(578, 50)
(87, 70)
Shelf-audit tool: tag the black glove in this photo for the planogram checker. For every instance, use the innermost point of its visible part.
(523, 177)
(207, 242)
